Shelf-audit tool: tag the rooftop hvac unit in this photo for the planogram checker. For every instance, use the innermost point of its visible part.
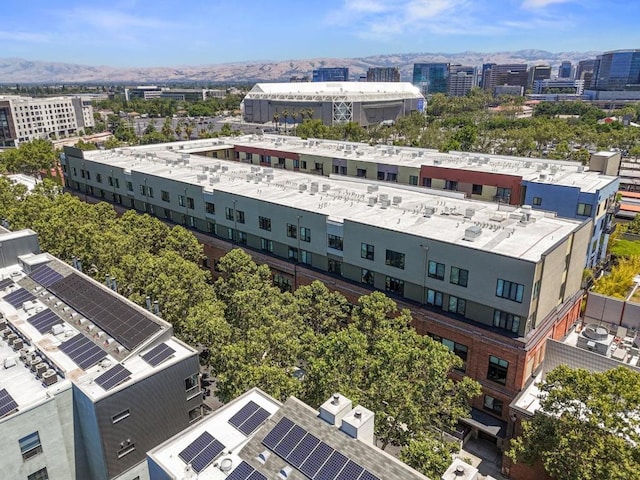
(41, 368)
(580, 168)
(6, 332)
(214, 179)
(472, 232)
(270, 177)
(49, 377)
(17, 344)
(595, 338)
(225, 168)
(437, 161)
(184, 156)
(202, 177)
(384, 203)
(539, 167)
(267, 170)
(314, 187)
(3, 324)
(397, 200)
(542, 176)
(57, 329)
(429, 211)
(469, 212)
(372, 201)
(384, 197)
(372, 188)
(326, 187)
(34, 362)
(302, 187)
(249, 177)
(11, 338)
(255, 168)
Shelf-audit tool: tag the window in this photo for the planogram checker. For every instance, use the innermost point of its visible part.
(117, 182)
(247, 156)
(75, 172)
(335, 267)
(181, 200)
(361, 172)
(503, 194)
(282, 282)
(493, 404)
(584, 209)
(191, 203)
(476, 189)
(292, 231)
(497, 370)
(195, 414)
(395, 259)
(366, 276)
(88, 175)
(211, 227)
(367, 251)
(413, 180)
(536, 289)
(150, 192)
(392, 177)
(506, 321)
(334, 242)
(126, 449)
(167, 213)
(99, 178)
(210, 208)
(459, 276)
(457, 305)
(426, 182)
(380, 175)
(293, 254)
(450, 185)
(228, 213)
(509, 290)
(434, 298)
(143, 190)
(305, 257)
(164, 195)
(266, 245)
(264, 223)
(192, 386)
(129, 187)
(305, 234)
(303, 164)
(537, 201)
(118, 417)
(239, 216)
(436, 270)
(296, 164)
(30, 445)
(39, 475)
(459, 349)
(242, 238)
(394, 285)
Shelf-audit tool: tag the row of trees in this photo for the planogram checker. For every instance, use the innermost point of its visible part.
(310, 343)
(30, 158)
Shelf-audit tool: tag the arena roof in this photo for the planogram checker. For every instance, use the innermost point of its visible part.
(334, 91)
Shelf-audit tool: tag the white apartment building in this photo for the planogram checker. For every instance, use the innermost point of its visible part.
(23, 119)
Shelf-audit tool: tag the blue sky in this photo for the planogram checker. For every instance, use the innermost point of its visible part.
(202, 32)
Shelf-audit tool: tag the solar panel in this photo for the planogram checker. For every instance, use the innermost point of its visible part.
(254, 421)
(82, 351)
(351, 471)
(244, 471)
(113, 377)
(204, 458)
(127, 325)
(316, 460)
(195, 447)
(17, 298)
(44, 321)
(367, 475)
(5, 283)
(289, 442)
(7, 403)
(332, 467)
(244, 413)
(45, 276)
(158, 354)
(303, 450)
(277, 433)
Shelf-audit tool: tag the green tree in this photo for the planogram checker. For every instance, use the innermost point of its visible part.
(167, 129)
(587, 428)
(82, 145)
(429, 456)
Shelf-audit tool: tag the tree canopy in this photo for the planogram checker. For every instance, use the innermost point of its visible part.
(588, 426)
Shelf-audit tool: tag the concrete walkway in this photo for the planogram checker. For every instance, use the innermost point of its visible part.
(484, 456)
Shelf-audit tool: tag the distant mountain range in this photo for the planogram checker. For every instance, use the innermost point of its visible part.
(17, 70)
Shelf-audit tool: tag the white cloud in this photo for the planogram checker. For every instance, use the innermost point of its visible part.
(532, 4)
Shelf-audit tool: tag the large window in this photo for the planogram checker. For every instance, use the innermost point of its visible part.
(459, 349)
(335, 267)
(39, 475)
(476, 189)
(584, 209)
(30, 445)
(164, 195)
(334, 242)
(509, 290)
(450, 185)
(506, 321)
(367, 251)
(537, 201)
(366, 276)
(457, 305)
(264, 223)
(191, 203)
(239, 216)
(459, 276)
(434, 298)
(503, 194)
(181, 200)
(266, 245)
(242, 238)
(305, 234)
(228, 213)
(497, 370)
(210, 208)
(192, 386)
(292, 231)
(436, 270)
(305, 257)
(293, 254)
(395, 259)
(394, 285)
(493, 404)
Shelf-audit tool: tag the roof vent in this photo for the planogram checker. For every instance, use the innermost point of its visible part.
(262, 457)
(459, 471)
(226, 464)
(285, 472)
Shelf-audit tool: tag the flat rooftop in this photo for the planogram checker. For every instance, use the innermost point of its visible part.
(431, 214)
(537, 170)
(310, 91)
(58, 326)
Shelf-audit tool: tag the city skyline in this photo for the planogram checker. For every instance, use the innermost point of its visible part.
(136, 33)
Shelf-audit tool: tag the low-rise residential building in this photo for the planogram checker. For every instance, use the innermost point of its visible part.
(90, 381)
(490, 280)
(149, 92)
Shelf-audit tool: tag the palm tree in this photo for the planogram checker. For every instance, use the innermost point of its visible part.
(178, 129)
(188, 129)
(276, 120)
(285, 114)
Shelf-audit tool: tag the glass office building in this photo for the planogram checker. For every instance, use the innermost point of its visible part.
(617, 70)
(431, 78)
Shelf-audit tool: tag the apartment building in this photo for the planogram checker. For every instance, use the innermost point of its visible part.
(257, 437)
(490, 280)
(461, 80)
(91, 381)
(23, 119)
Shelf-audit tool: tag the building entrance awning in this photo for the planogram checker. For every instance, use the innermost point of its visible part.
(486, 423)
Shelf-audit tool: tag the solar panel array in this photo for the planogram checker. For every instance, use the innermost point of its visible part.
(249, 418)
(201, 452)
(45, 276)
(7, 403)
(158, 354)
(44, 321)
(5, 283)
(82, 351)
(113, 377)
(310, 455)
(244, 471)
(18, 297)
(124, 323)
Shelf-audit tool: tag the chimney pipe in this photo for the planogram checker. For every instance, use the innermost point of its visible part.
(114, 284)
(156, 307)
(148, 300)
